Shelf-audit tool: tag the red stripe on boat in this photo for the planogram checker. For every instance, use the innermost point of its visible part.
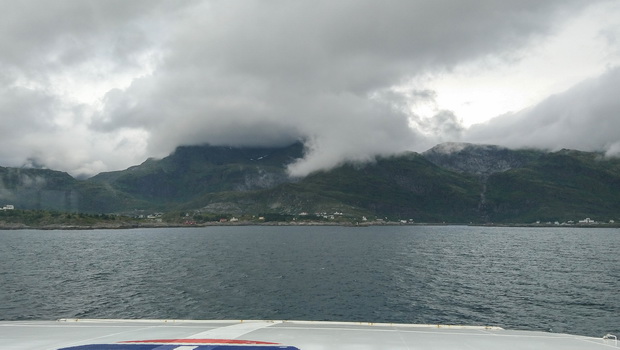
(201, 341)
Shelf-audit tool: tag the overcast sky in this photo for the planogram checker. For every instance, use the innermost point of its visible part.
(90, 86)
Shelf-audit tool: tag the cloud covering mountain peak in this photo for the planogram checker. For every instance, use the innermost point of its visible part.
(117, 82)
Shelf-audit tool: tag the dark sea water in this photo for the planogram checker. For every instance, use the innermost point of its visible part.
(553, 279)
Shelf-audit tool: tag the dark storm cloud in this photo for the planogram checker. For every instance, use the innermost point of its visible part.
(41, 35)
(586, 117)
(260, 73)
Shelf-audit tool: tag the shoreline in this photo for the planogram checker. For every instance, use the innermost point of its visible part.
(128, 226)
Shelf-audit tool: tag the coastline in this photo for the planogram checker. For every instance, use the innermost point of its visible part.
(127, 226)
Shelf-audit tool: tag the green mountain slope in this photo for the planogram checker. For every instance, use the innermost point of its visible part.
(402, 187)
(559, 186)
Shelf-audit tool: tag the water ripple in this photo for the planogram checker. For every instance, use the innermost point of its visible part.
(559, 279)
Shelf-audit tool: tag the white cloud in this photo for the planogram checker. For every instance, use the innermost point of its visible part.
(91, 86)
(584, 46)
(586, 117)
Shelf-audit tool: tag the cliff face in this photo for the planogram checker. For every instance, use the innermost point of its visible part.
(479, 159)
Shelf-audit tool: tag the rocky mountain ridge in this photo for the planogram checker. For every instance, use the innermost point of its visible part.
(478, 159)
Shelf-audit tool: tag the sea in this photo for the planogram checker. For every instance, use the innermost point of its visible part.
(556, 279)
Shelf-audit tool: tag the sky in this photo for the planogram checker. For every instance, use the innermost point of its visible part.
(90, 86)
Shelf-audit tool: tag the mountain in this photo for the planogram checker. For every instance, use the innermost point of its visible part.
(400, 187)
(193, 171)
(34, 188)
(534, 185)
(54, 190)
(452, 182)
(479, 159)
(558, 186)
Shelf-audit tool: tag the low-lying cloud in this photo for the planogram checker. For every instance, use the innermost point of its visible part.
(255, 73)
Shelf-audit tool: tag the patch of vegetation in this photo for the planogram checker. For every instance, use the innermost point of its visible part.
(46, 218)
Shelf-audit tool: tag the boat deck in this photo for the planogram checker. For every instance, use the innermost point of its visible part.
(85, 334)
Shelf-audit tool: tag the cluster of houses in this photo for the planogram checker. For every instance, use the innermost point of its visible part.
(234, 219)
(586, 221)
(8, 207)
(324, 215)
(593, 222)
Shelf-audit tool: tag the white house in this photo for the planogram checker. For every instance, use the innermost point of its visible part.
(587, 221)
(8, 207)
